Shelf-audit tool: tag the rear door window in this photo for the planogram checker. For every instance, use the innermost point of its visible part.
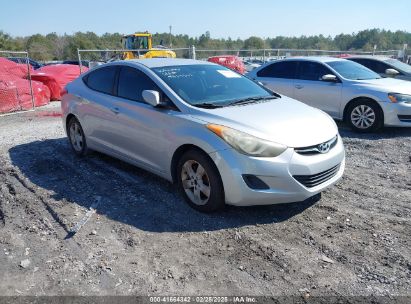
(381, 67)
(284, 69)
(374, 65)
(102, 80)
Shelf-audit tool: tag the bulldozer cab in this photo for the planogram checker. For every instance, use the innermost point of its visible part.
(142, 46)
(138, 41)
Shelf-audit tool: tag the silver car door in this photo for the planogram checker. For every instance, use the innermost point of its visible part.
(312, 90)
(141, 131)
(279, 77)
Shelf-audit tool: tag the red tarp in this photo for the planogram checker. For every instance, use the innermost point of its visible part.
(57, 76)
(229, 61)
(15, 91)
(12, 68)
(15, 94)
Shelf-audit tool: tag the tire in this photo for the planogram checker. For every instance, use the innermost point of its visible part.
(364, 116)
(76, 137)
(199, 182)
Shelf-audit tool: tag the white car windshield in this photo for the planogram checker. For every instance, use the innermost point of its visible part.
(352, 70)
(211, 85)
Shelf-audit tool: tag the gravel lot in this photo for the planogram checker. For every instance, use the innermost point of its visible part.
(144, 240)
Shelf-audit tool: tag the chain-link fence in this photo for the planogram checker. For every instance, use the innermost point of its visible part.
(203, 54)
(92, 58)
(16, 89)
(251, 58)
(312, 52)
(264, 55)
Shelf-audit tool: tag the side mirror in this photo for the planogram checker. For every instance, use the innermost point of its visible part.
(152, 97)
(329, 78)
(391, 72)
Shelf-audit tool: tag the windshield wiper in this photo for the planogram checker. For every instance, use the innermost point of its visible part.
(207, 105)
(368, 78)
(250, 100)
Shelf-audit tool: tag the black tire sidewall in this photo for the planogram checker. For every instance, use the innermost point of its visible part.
(84, 148)
(379, 116)
(217, 199)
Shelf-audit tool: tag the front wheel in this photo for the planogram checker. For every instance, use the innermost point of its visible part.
(199, 182)
(365, 116)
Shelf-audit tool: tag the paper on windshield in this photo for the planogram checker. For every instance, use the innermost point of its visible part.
(229, 74)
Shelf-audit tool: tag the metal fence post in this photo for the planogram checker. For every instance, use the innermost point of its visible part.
(79, 59)
(193, 52)
(29, 77)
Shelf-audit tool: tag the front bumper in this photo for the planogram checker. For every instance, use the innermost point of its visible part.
(397, 114)
(277, 173)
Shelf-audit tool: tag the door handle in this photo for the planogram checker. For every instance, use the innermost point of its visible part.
(299, 86)
(115, 110)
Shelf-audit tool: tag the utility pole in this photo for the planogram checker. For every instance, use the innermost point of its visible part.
(170, 43)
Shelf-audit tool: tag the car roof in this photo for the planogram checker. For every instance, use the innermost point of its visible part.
(379, 58)
(323, 59)
(165, 62)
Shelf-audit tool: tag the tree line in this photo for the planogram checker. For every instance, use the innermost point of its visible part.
(61, 47)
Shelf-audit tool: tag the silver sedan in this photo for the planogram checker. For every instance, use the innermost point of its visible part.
(344, 89)
(385, 66)
(221, 137)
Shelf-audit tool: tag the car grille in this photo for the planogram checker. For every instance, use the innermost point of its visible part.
(312, 150)
(404, 118)
(311, 181)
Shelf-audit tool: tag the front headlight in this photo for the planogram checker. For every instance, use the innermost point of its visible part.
(395, 98)
(246, 143)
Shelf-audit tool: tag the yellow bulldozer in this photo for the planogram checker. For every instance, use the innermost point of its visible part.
(141, 45)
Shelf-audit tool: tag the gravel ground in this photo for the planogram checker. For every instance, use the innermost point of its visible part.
(144, 240)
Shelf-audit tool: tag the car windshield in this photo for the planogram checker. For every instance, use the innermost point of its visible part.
(352, 70)
(211, 85)
(399, 65)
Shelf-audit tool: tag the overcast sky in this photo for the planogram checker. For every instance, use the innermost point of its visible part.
(224, 18)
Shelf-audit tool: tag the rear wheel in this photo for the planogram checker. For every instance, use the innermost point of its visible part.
(199, 182)
(76, 136)
(365, 116)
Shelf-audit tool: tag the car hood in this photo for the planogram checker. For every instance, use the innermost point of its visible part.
(283, 120)
(388, 85)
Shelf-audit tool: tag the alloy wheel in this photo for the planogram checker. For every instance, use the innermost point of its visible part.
(363, 116)
(76, 137)
(196, 183)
